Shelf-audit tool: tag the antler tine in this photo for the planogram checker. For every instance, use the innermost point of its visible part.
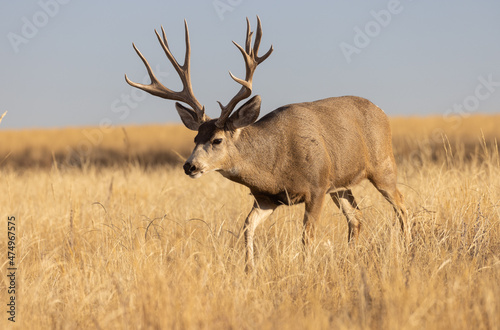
(252, 60)
(158, 89)
(187, 57)
(164, 44)
(248, 42)
(164, 36)
(155, 87)
(258, 37)
(186, 66)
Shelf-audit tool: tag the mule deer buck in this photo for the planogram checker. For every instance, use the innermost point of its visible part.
(298, 153)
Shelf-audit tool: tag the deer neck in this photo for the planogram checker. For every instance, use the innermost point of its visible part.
(252, 160)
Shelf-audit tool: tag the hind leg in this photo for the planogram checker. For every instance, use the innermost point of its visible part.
(386, 185)
(396, 199)
(345, 201)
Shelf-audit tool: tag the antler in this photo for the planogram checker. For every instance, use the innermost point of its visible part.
(158, 89)
(252, 60)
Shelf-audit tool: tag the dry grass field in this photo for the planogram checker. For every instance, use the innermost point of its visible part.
(111, 235)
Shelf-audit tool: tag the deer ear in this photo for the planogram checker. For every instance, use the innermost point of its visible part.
(247, 114)
(187, 116)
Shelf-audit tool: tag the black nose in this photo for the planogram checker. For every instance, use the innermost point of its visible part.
(189, 168)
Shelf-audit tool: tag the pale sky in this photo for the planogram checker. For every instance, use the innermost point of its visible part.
(63, 61)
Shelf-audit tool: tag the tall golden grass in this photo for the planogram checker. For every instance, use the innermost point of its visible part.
(77, 147)
(128, 246)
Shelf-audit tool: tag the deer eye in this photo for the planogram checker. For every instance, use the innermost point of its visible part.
(217, 141)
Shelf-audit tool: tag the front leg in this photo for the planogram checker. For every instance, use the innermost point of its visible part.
(261, 210)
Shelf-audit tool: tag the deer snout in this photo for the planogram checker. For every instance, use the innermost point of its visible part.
(194, 171)
(189, 168)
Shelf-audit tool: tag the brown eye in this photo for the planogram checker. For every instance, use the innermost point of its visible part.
(217, 141)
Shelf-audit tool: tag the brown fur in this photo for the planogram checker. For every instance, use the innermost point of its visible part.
(301, 152)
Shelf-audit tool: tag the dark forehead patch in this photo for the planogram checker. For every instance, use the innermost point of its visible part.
(206, 132)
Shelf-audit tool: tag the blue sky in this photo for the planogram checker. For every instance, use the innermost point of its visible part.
(63, 61)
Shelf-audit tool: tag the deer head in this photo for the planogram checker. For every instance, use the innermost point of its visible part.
(216, 137)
